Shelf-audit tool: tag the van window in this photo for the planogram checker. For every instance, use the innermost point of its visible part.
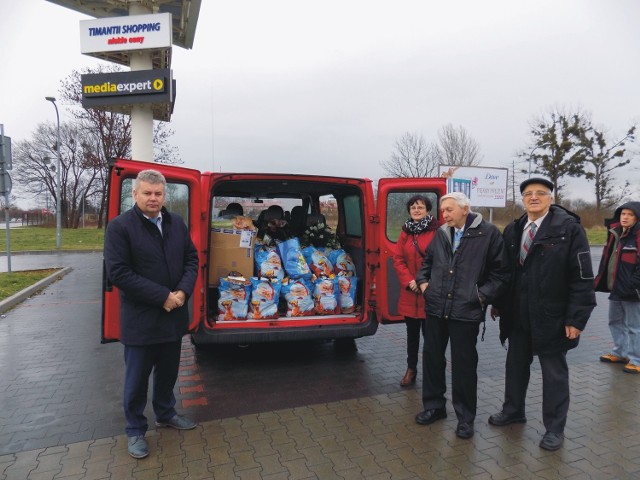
(352, 215)
(222, 206)
(329, 208)
(176, 200)
(397, 211)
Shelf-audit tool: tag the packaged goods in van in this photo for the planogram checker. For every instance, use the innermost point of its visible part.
(294, 263)
(347, 297)
(342, 263)
(233, 303)
(265, 293)
(243, 223)
(298, 295)
(317, 261)
(268, 262)
(231, 250)
(325, 296)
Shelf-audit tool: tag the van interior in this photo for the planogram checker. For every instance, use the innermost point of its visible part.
(275, 212)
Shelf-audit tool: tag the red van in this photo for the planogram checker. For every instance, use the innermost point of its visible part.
(366, 224)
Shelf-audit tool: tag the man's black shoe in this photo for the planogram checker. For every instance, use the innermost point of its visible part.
(501, 419)
(552, 441)
(430, 416)
(464, 430)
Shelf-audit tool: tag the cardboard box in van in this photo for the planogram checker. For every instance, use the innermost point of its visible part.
(231, 250)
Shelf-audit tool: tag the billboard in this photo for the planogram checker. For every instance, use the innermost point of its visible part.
(117, 34)
(118, 91)
(140, 86)
(485, 186)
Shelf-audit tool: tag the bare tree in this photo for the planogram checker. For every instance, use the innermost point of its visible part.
(110, 134)
(412, 157)
(604, 159)
(35, 163)
(457, 147)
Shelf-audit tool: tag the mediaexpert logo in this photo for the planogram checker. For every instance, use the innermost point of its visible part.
(156, 85)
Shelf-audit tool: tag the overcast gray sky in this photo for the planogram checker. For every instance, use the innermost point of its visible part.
(327, 87)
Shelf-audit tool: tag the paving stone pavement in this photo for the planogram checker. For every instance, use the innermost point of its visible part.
(367, 432)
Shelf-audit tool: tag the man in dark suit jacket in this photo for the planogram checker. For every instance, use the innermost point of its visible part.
(463, 271)
(550, 299)
(151, 258)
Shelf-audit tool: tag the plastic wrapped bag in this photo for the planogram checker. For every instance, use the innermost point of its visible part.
(233, 303)
(294, 263)
(297, 294)
(342, 263)
(325, 296)
(265, 293)
(317, 261)
(348, 287)
(268, 262)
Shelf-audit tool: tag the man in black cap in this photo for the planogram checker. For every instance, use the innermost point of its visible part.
(550, 299)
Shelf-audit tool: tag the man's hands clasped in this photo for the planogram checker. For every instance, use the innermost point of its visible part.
(174, 300)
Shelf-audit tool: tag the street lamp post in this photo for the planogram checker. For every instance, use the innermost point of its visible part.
(58, 183)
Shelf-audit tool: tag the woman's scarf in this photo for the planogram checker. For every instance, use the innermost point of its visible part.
(416, 228)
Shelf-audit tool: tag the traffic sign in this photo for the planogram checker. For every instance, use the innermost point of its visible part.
(5, 152)
(5, 183)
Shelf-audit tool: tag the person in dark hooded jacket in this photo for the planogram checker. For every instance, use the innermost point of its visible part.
(619, 274)
(548, 304)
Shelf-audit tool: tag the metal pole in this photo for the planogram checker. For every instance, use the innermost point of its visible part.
(6, 201)
(83, 200)
(530, 158)
(58, 184)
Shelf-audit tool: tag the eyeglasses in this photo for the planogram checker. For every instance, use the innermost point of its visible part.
(538, 193)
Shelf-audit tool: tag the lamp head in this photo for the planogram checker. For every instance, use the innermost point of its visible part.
(50, 99)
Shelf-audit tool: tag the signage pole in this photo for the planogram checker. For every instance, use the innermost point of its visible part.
(141, 115)
(3, 161)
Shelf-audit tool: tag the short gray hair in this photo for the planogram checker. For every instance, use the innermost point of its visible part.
(153, 177)
(460, 198)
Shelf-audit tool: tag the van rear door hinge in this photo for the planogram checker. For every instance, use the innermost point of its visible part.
(374, 218)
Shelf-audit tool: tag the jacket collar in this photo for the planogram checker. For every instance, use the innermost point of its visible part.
(473, 221)
(166, 217)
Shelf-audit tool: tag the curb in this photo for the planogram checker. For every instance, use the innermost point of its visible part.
(49, 252)
(13, 300)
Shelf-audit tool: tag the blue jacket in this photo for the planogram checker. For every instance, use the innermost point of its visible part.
(626, 269)
(146, 266)
(462, 284)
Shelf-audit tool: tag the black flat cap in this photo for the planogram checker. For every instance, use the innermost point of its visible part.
(539, 180)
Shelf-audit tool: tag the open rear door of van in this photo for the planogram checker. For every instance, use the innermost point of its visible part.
(183, 196)
(392, 197)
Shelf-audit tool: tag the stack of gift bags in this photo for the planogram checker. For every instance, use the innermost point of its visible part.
(290, 281)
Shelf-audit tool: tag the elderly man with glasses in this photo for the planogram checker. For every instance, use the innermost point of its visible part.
(548, 304)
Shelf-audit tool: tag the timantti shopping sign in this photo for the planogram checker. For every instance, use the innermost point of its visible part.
(125, 33)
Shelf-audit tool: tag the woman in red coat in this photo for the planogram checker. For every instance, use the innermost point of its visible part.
(416, 234)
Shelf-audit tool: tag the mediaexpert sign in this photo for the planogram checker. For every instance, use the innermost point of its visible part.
(485, 186)
(117, 34)
(118, 88)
